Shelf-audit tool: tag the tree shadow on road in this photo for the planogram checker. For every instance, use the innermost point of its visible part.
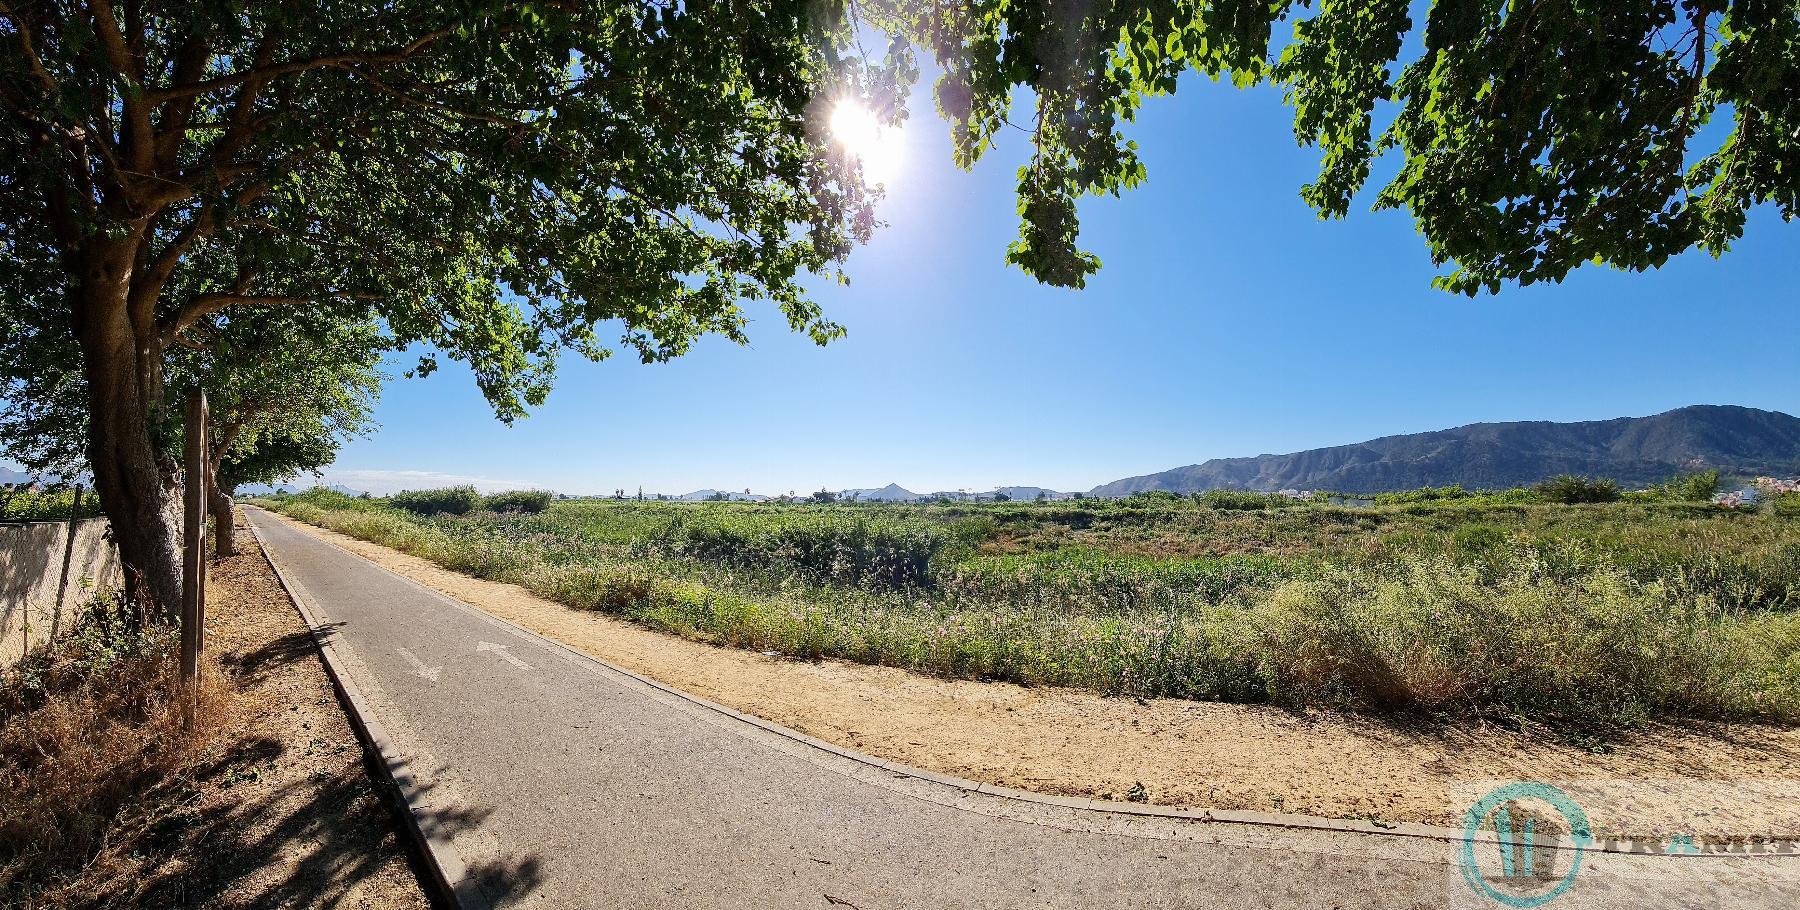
(328, 841)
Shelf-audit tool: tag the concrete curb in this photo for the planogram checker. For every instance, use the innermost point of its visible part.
(1296, 822)
(450, 879)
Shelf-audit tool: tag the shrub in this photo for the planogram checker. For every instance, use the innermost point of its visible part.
(825, 546)
(1422, 494)
(452, 500)
(1149, 498)
(1570, 489)
(1696, 487)
(1600, 648)
(532, 501)
(1239, 500)
(19, 502)
(327, 498)
(1095, 581)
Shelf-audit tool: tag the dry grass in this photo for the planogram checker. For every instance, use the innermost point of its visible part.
(106, 801)
(86, 728)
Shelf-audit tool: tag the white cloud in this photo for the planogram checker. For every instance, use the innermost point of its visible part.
(382, 483)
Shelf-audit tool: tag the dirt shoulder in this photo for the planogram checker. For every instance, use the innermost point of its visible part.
(1075, 743)
(281, 812)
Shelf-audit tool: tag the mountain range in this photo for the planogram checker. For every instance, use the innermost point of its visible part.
(1635, 451)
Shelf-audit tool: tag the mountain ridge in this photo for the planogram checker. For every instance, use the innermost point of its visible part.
(1631, 450)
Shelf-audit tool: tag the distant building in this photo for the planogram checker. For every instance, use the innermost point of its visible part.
(1744, 497)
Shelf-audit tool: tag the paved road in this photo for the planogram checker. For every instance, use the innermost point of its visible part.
(562, 782)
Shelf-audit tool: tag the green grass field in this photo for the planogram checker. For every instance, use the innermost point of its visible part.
(1499, 606)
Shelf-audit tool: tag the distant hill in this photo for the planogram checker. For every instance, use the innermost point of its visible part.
(705, 495)
(10, 476)
(1021, 494)
(1635, 451)
(893, 492)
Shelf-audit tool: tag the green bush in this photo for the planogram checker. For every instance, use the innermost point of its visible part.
(1094, 581)
(19, 502)
(1423, 494)
(1150, 498)
(1239, 500)
(1569, 489)
(531, 501)
(327, 498)
(1600, 648)
(1699, 486)
(451, 500)
(834, 546)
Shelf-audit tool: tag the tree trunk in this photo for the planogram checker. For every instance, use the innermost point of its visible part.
(122, 361)
(218, 502)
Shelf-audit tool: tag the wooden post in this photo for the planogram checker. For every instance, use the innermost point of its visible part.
(193, 551)
(62, 586)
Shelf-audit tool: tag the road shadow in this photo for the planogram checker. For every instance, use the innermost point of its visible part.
(305, 845)
(258, 664)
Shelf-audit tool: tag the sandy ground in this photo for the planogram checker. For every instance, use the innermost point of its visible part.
(1182, 753)
(283, 814)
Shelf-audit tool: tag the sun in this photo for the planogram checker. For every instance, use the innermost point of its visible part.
(859, 132)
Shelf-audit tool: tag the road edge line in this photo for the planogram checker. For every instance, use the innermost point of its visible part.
(449, 877)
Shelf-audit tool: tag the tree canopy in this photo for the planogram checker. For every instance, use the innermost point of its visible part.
(496, 180)
(493, 178)
(283, 392)
(1533, 135)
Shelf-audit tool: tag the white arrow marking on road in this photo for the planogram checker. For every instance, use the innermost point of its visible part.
(503, 654)
(419, 667)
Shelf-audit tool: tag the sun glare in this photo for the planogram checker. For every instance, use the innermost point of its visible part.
(857, 130)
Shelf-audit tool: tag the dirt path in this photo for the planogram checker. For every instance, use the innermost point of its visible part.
(282, 812)
(1165, 751)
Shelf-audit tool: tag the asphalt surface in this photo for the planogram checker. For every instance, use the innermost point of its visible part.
(563, 782)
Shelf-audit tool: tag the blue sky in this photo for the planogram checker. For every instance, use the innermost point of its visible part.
(1227, 320)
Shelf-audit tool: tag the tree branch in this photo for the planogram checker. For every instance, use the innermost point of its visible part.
(31, 55)
(271, 71)
(190, 63)
(206, 304)
(140, 141)
(384, 88)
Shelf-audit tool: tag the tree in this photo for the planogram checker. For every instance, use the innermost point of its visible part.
(283, 389)
(492, 179)
(1533, 136)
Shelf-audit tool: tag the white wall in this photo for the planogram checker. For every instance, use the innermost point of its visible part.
(31, 572)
